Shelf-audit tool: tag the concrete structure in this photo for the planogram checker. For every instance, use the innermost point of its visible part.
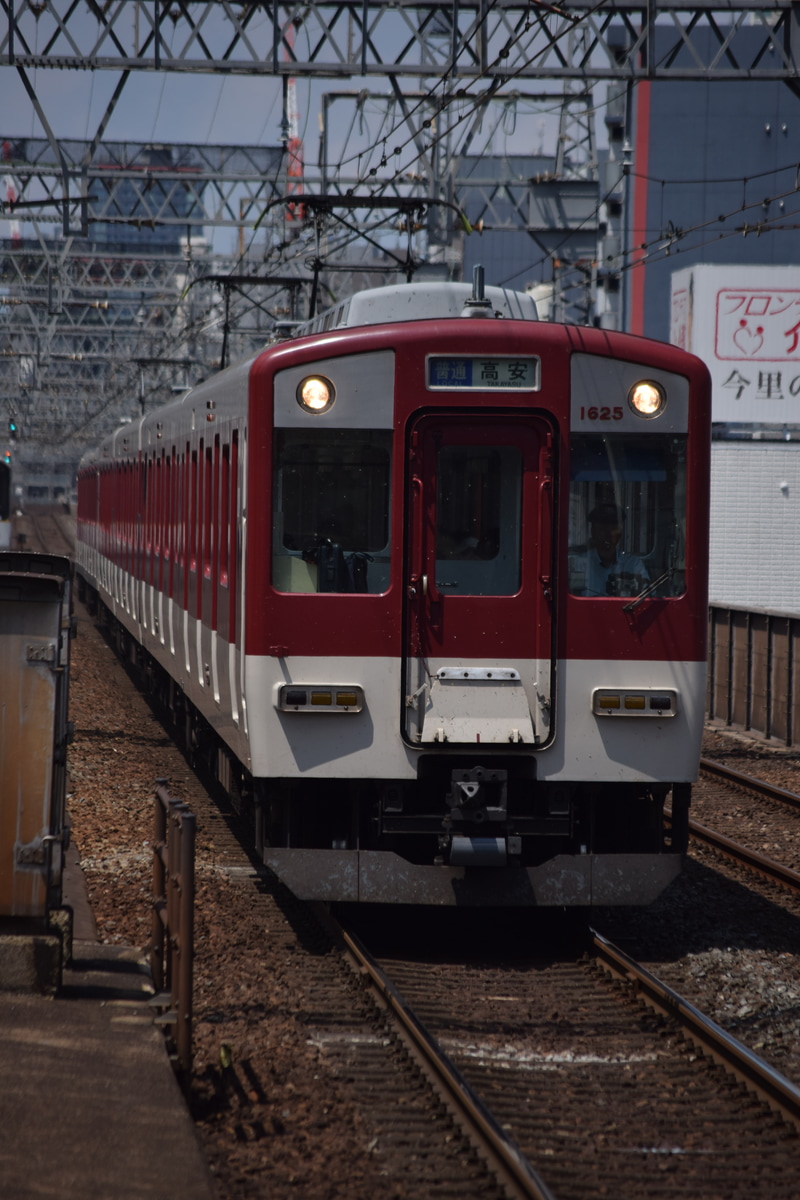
(755, 524)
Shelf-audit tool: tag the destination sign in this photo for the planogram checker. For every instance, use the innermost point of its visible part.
(503, 373)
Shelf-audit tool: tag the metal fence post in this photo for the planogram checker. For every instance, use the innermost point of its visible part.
(172, 947)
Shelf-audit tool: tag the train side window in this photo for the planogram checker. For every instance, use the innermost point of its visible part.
(224, 525)
(207, 525)
(331, 510)
(627, 515)
(191, 513)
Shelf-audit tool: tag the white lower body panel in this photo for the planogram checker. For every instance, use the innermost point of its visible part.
(581, 747)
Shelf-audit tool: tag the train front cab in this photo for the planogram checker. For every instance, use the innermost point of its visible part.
(538, 727)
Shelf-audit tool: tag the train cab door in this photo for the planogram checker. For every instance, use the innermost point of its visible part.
(478, 579)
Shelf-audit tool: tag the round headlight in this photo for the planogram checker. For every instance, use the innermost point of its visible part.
(316, 394)
(647, 399)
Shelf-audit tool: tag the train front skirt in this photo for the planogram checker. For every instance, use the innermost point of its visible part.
(380, 877)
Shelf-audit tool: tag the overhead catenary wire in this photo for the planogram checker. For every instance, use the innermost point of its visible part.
(445, 101)
(655, 248)
(474, 104)
(660, 245)
(675, 236)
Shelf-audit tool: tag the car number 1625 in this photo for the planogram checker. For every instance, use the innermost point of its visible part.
(601, 412)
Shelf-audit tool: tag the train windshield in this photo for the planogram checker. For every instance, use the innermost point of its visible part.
(478, 520)
(627, 515)
(331, 504)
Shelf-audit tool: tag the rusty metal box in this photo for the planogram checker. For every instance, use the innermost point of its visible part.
(35, 599)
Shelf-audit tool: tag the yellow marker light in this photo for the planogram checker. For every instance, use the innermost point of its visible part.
(647, 399)
(328, 698)
(648, 703)
(316, 394)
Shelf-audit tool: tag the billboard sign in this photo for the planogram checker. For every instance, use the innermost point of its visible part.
(744, 322)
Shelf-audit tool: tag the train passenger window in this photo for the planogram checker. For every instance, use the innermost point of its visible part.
(478, 520)
(331, 510)
(627, 515)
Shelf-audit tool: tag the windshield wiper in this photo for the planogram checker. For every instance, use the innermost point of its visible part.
(651, 587)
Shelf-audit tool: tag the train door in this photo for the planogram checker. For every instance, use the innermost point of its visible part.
(478, 585)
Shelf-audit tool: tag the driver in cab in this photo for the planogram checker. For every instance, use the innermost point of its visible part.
(601, 568)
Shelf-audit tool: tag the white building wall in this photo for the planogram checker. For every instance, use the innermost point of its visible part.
(755, 525)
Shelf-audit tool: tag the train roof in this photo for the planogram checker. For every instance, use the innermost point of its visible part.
(400, 302)
(417, 302)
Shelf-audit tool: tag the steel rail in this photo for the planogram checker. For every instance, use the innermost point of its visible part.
(47, 532)
(774, 871)
(710, 767)
(780, 1093)
(503, 1154)
(768, 867)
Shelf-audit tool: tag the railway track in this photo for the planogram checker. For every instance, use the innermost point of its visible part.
(767, 813)
(600, 1096)
(550, 1068)
(412, 1135)
(50, 531)
(749, 782)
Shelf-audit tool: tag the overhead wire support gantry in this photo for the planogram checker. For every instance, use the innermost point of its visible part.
(365, 38)
(449, 71)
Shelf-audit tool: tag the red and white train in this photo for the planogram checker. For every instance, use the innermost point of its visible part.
(425, 586)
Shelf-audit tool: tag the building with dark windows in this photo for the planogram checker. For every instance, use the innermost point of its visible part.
(713, 181)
